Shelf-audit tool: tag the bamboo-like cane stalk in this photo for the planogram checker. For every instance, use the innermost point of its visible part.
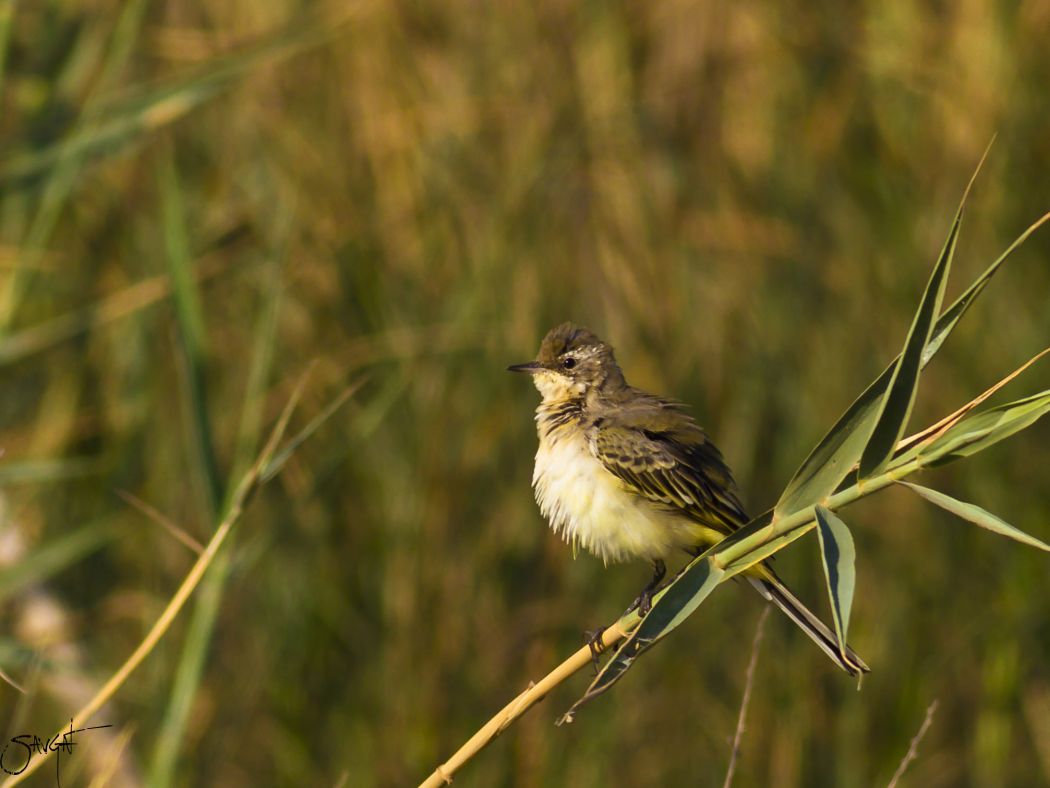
(506, 716)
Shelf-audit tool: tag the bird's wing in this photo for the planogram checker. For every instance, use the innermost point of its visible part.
(663, 455)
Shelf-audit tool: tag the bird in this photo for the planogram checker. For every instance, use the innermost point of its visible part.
(626, 474)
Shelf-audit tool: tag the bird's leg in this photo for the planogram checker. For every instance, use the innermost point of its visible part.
(644, 602)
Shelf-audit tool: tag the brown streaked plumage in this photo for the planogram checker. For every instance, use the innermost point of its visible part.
(628, 474)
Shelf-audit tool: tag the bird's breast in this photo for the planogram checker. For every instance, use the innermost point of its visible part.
(589, 506)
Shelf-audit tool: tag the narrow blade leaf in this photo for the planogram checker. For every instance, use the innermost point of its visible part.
(838, 556)
(979, 431)
(768, 548)
(895, 408)
(954, 313)
(916, 444)
(838, 451)
(976, 515)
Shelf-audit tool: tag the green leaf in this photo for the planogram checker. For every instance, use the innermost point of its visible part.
(671, 608)
(981, 430)
(191, 336)
(754, 551)
(833, 458)
(838, 556)
(976, 515)
(895, 407)
(838, 451)
(764, 551)
(954, 313)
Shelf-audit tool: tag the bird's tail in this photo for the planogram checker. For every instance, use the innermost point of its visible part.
(772, 589)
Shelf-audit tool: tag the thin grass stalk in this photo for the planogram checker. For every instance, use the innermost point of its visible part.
(178, 533)
(191, 335)
(191, 339)
(913, 748)
(749, 681)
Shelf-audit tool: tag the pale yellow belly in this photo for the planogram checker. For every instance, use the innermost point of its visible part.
(590, 507)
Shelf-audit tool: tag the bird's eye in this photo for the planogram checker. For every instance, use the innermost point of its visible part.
(569, 363)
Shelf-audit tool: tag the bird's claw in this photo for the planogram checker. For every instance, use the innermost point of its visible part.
(645, 602)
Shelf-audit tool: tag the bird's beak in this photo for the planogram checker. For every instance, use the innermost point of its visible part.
(531, 367)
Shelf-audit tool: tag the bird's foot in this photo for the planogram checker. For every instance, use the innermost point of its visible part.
(593, 638)
(644, 602)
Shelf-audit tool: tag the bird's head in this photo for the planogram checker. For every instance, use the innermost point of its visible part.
(572, 361)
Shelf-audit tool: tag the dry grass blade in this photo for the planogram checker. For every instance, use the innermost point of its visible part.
(104, 776)
(913, 748)
(162, 520)
(934, 431)
(7, 679)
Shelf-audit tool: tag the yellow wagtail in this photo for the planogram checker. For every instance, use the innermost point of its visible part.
(628, 474)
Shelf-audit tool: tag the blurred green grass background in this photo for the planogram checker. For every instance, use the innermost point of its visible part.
(199, 200)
